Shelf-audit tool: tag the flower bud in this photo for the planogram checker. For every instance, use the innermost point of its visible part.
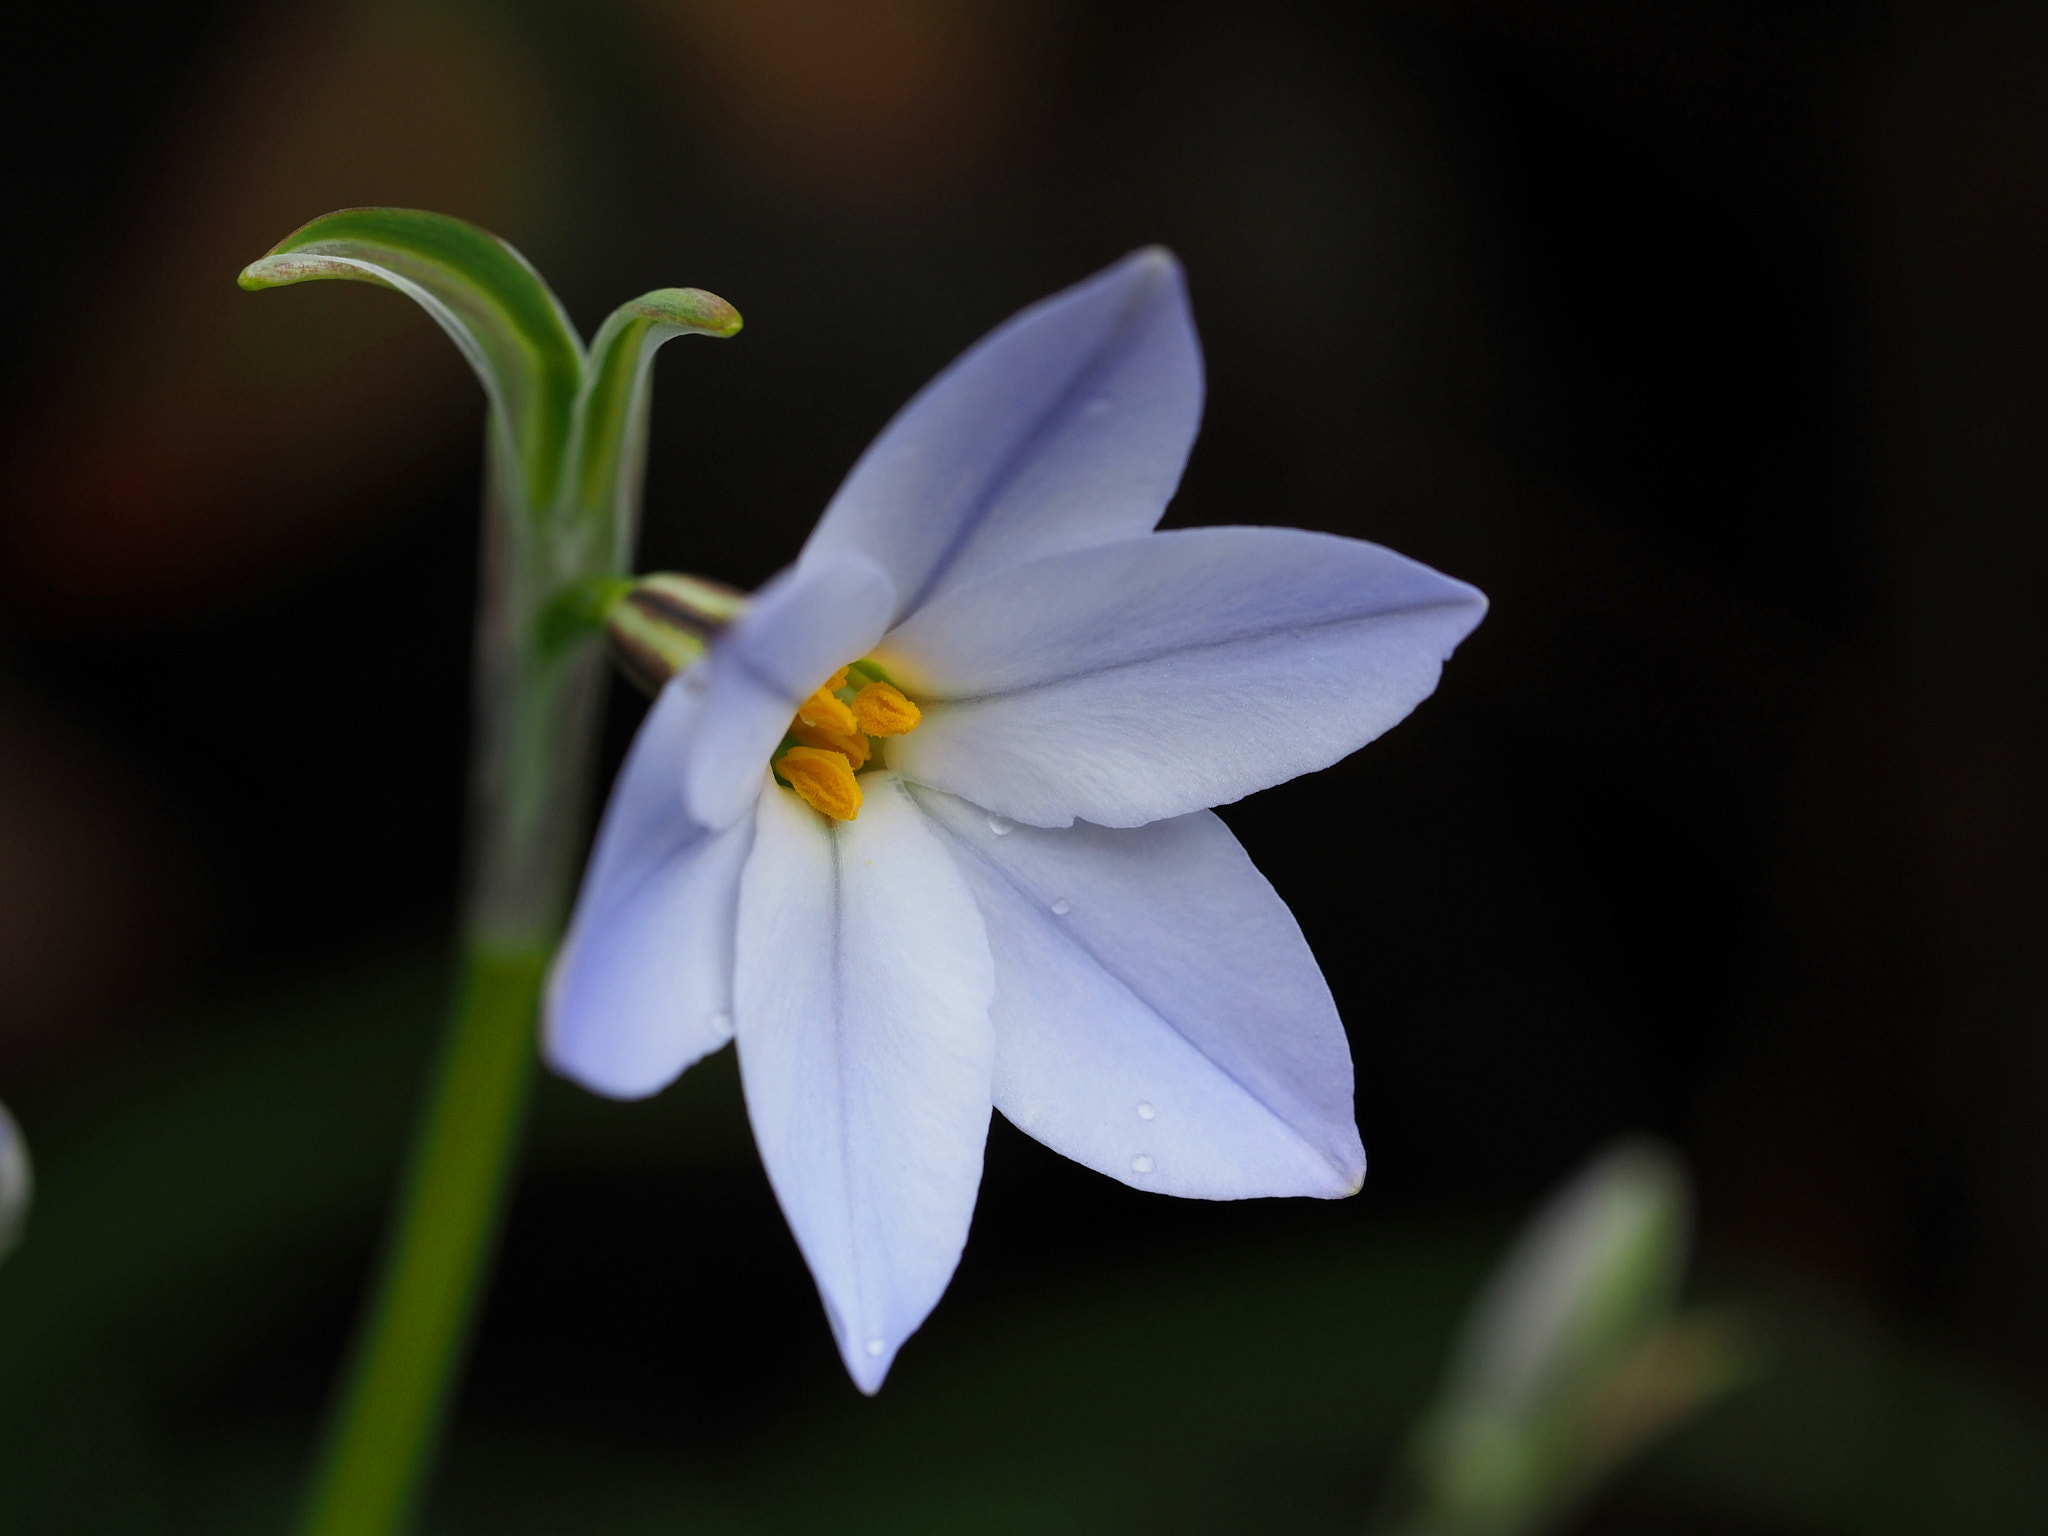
(1576, 1355)
(660, 623)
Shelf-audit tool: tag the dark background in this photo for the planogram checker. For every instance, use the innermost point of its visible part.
(1708, 339)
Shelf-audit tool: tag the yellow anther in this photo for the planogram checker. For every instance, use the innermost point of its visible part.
(882, 710)
(824, 778)
(834, 741)
(824, 709)
(852, 744)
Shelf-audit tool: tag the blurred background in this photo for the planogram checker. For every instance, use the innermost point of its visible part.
(1710, 339)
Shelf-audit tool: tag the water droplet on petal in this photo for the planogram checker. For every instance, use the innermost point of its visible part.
(722, 1022)
(1142, 1163)
(1001, 825)
(876, 1346)
(1146, 1111)
(1062, 907)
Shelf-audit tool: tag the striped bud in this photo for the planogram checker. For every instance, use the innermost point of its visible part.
(661, 623)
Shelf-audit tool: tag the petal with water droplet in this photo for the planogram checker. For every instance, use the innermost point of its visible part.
(1179, 984)
(862, 999)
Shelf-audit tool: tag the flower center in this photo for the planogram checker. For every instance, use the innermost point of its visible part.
(828, 741)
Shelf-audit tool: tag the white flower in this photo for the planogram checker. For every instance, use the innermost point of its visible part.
(1030, 906)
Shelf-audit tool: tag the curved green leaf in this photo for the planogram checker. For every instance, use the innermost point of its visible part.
(611, 416)
(482, 292)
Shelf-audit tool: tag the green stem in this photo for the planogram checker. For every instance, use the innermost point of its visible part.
(537, 711)
(387, 1425)
(565, 448)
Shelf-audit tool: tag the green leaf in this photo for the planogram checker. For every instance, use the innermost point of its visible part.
(482, 292)
(611, 414)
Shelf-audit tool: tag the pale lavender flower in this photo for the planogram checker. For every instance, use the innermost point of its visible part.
(1033, 907)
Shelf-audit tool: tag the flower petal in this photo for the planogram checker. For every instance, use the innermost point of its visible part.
(1158, 1015)
(1066, 426)
(642, 986)
(1156, 676)
(862, 996)
(800, 628)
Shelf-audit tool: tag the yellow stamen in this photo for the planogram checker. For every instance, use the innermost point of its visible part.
(882, 710)
(852, 744)
(824, 709)
(824, 778)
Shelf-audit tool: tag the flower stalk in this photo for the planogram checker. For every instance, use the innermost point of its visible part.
(565, 447)
(387, 1426)
(536, 701)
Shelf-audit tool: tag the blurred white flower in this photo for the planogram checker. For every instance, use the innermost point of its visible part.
(17, 1182)
(981, 869)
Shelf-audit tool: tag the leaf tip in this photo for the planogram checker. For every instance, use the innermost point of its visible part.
(690, 308)
(255, 277)
(281, 270)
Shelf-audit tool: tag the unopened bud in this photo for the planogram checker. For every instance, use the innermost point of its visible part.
(661, 623)
(1575, 1357)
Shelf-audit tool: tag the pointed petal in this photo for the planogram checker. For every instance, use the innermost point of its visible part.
(862, 996)
(1158, 1015)
(1064, 427)
(642, 986)
(1150, 678)
(800, 628)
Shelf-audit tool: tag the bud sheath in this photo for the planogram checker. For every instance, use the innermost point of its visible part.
(661, 623)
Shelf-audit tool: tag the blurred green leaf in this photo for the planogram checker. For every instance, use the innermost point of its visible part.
(197, 1189)
(187, 1199)
(1265, 1391)
(483, 293)
(1257, 1390)
(1849, 1428)
(228, 1152)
